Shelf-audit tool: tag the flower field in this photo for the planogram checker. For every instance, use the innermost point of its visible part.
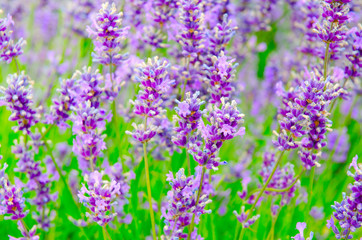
(180, 119)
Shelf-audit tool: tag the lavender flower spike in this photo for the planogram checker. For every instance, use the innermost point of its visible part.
(99, 197)
(18, 99)
(107, 34)
(8, 49)
(349, 211)
(300, 236)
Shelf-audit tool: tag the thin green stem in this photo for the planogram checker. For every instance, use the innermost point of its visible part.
(47, 131)
(349, 230)
(61, 175)
(25, 226)
(17, 65)
(106, 234)
(289, 187)
(261, 193)
(325, 66)
(149, 186)
(311, 181)
(197, 202)
(188, 161)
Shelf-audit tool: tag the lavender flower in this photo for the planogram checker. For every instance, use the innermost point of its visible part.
(18, 99)
(108, 35)
(66, 102)
(189, 115)
(243, 216)
(192, 36)
(99, 196)
(8, 49)
(333, 29)
(12, 201)
(224, 125)
(89, 123)
(154, 82)
(116, 173)
(349, 211)
(300, 236)
(182, 204)
(220, 77)
(220, 36)
(27, 235)
(282, 178)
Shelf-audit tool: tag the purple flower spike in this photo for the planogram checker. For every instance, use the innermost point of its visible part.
(220, 77)
(300, 236)
(99, 196)
(89, 123)
(192, 36)
(64, 104)
(182, 204)
(243, 216)
(107, 34)
(154, 82)
(12, 201)
(189, 115)
(8, 49)
(224, 125)
(18, 99)
(27, 235)
(90, 88)
(349, 211)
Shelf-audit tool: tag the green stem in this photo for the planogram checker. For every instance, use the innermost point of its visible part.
(287, 188)
(311, 181)
(149, 187)
(25, 227)
(261, 193)
(105, 233)
(47, 131)
(325, 67)
(349, 230)
(17, 66)
(197, 202)
(188, 161)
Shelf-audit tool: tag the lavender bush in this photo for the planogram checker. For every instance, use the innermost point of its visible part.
(190, 119)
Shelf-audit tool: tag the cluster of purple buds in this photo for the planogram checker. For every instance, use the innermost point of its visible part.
(12, 202)
(305, 115)
(64, 104)
(300, 236)
(116, 173)
(108, 35)
(163, 11)
(8, 49)
(89, 123)
(349, 212)
(182, 204)
(355, 56)
(189, 115)
(80, 11)
(192, 36)
(243, 216)
(154, 37)
(220, 36)
(220, 77)
(18, 99)
(304, 20)
(90, 88)
(154, 82)
(282, 178)
(333, 29)
(224, 125)
(37, 181)
(99, 196)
